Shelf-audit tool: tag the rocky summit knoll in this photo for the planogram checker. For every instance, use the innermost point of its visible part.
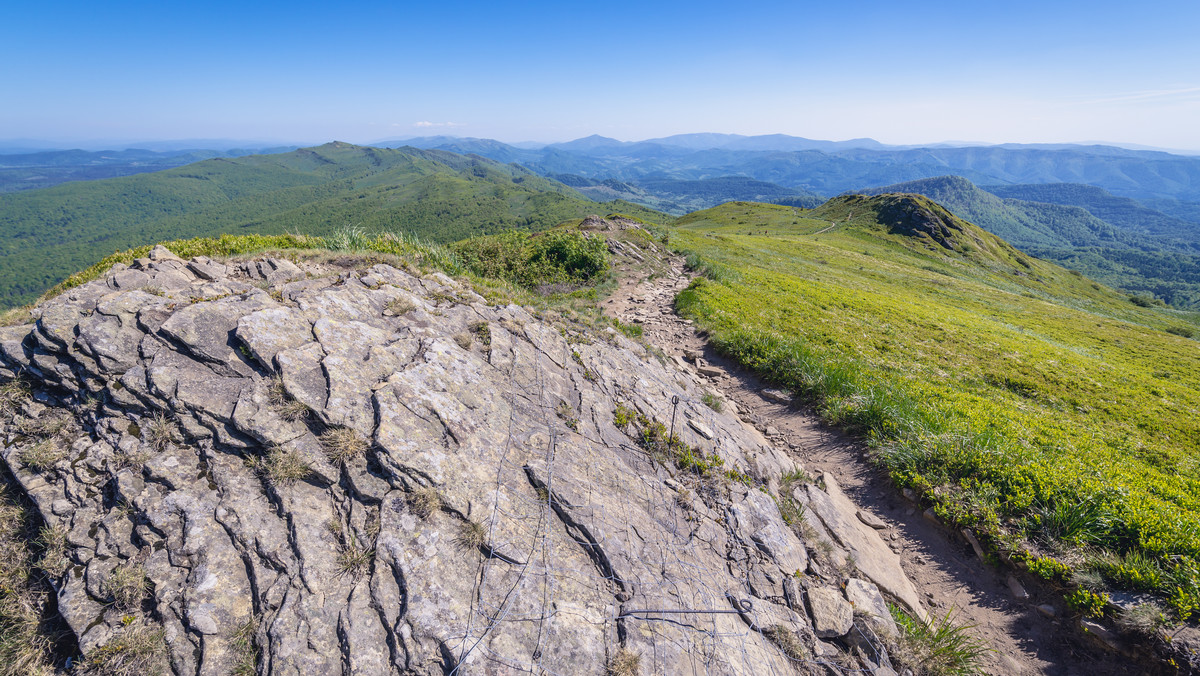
(323, 466)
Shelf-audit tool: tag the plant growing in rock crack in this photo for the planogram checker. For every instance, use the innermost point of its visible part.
(471, 535)
(400, 306)
(424, 501)
(140, 651)
(243, 646)
(624, 663)
(787, 641)
(464, 340)
(12, 394)
(159, 431)
(568, 415)
(343, 443)
(354, 558)
(127, 584)
(282, 467)
(43, 455)
(283, 403)
(712, 401)
(53, 542)
(483, 332)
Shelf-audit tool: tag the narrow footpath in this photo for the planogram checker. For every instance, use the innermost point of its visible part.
(1028, 633)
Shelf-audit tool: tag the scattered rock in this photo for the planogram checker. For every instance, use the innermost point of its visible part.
(777, 396)
(1017, 589)
(970, 536)
(871, 520)
(1048, 611)
(831, 614)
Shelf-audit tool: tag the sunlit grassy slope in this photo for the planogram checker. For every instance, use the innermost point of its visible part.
(1052, 414)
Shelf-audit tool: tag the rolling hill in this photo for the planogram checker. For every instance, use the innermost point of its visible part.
(47, 234)
(1051, 415)
(1122, 257)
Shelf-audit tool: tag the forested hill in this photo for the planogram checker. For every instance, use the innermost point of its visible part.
(48, 234)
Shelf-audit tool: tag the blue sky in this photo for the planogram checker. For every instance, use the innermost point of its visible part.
(916, 72)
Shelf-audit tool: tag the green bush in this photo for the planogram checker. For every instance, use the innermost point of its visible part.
(532, 260)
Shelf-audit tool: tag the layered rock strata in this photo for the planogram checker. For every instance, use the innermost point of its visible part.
(324, 469)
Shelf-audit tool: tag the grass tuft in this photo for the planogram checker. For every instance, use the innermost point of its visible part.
(787, 641)
(282, 467)
(139, 651)
(471, 535)
(624, 663)
(243, 646)
(283, 403)
(343, 443)
(712, 401)
(127, 585)
(159, 431)
(43, 455)
(424, 501)
(941, 648)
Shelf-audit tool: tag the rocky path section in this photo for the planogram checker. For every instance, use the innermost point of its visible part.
(278, 467)
(1030, 633)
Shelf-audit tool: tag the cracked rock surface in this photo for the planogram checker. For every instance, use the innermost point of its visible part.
(325, 470)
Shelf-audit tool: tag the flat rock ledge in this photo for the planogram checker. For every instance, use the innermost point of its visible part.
(340, 470)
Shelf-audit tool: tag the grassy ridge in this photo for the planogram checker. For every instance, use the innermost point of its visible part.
(1049, 413)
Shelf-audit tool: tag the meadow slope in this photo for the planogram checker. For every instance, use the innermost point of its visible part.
(1050, 413)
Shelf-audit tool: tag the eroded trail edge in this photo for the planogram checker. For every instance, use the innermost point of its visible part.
(1030, 631)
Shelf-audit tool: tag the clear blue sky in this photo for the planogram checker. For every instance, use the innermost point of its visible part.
(898, 72)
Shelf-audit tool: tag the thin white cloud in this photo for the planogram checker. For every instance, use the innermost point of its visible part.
(1151, 95)
(426, 124)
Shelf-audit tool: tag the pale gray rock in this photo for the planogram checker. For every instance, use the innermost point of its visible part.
(497, 521)
(867, 601)
(836, 514)
(832, 615)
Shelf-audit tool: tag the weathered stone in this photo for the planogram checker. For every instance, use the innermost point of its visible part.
(777, 396)
(832, 616)
(871, 520)
(867, 601)
(1017, 589)
(461, 497)
(832, 510)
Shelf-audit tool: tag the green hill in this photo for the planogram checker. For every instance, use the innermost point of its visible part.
(1119, 256)
(1050, 414)
(47, 234)
(1123, 212)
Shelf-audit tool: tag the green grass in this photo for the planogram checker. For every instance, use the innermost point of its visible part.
(939, 648)
(1043, 411)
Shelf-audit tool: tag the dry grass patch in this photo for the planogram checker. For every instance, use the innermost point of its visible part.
(138, 652)
(282, 467)
(424, 501)
(127, 585)
(24, 645)
(160, 431)
(471, 535)
(624, 663)
(787, 641)
(399, 307)
(244, 648)
(43, 455)
(283, 403)
(343, 443)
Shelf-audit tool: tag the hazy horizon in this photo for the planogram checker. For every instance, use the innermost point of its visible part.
(305, 73)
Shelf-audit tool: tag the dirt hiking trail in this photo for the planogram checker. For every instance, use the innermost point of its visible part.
(948, 574)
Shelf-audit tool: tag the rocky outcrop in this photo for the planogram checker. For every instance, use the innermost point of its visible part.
(324, 469)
